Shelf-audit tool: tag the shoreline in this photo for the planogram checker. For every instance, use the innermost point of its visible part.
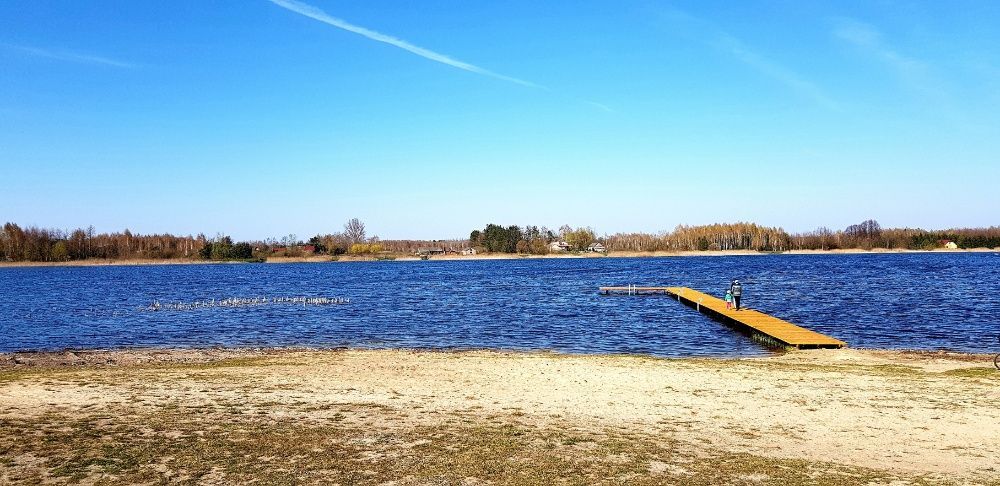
(129, 356)
(488, 256)
(844, 416)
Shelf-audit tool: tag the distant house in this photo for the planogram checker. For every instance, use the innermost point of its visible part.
(951, 245)
(558, 246)
(469, 251)
(430, 251)
(597, 247)
(278, 249)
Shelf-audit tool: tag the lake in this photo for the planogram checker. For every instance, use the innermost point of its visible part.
(915, 301)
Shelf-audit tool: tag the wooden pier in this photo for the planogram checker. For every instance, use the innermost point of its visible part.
(762, 327)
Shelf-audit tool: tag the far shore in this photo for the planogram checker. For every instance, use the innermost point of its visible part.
(484, 256)
(231, 416)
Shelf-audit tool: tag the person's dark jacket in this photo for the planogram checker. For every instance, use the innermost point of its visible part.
(736, 289)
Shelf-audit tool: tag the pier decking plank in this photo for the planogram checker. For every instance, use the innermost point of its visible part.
(782, 332)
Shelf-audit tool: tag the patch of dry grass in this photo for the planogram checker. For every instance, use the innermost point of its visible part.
(119, 446)
(264, 419)
(978, 372)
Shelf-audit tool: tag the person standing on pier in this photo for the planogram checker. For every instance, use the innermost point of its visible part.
(737, 290)
(729, 299)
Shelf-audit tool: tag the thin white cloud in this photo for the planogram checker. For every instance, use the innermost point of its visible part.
(776, 71)
(317, 14)
(69, 56)
(869, 39)
(934, 84)
(914, 74)
(708, 33)
(600, 106)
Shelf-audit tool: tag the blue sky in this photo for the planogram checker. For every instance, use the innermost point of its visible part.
(430, 119)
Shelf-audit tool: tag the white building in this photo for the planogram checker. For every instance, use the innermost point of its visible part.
(558, 246)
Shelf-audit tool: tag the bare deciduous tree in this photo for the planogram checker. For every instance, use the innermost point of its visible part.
(354, 230)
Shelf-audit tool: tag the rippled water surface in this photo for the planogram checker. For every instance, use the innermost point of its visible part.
(925, 301)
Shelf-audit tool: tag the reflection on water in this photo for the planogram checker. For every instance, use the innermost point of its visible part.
(925, 301)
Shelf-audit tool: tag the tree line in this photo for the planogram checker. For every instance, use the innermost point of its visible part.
(531, 239)
(53, 245)
(734, 236)
(870, 234)
(223, 249)
(352, 240)
(866, 235)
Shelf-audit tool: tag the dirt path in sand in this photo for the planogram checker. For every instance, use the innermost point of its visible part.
(919, 413)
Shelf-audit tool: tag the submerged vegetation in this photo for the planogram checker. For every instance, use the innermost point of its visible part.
(53, 245)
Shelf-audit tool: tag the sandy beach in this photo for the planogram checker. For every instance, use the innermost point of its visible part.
(483, 417)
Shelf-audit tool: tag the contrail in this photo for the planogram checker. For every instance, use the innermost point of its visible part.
(601, 106)
(317, 14)
(712, 35)
(69, 56)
